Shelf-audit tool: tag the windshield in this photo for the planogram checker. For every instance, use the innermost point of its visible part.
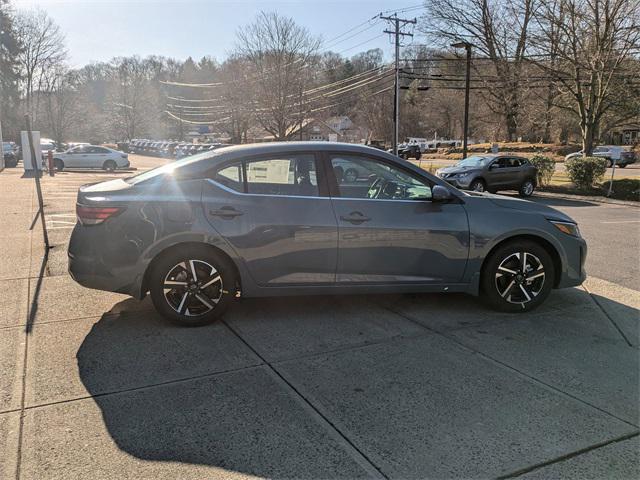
(473, 162)
(169, 168)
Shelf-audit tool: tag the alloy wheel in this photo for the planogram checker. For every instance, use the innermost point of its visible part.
(527, 188)
(520, 278)
(193, 288)
(478, 187)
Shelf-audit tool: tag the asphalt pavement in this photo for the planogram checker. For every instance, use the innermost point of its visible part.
(97, 385)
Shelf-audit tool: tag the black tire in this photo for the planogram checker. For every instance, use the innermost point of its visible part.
(109, 166)
(527, 188)
(503, 290)
(609, 163)
(219, 294)
(418, 155)
(478, 185)
(351, 175)
(58, 164)
(622, 165)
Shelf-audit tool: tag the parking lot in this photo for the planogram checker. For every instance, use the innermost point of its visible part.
(97, 385)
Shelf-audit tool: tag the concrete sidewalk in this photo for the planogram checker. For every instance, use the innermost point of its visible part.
(97, 385)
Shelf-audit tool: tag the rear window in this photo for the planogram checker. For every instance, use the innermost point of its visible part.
(173, 168)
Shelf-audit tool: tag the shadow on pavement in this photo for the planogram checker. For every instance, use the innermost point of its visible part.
(200, 396)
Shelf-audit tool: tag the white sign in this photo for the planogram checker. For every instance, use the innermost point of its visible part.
(333, 137)
(269, 171)
(26, 150)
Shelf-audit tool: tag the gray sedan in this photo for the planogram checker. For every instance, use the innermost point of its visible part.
(492, 173)
(283, 219)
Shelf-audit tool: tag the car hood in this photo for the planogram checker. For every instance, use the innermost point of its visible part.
(522, 205)
(454, 169)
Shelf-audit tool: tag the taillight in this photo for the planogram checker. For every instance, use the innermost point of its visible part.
(95, 215)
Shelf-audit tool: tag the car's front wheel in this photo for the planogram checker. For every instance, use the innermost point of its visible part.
(58, 164)
(478, 185)
(192, 287)
(517, 277)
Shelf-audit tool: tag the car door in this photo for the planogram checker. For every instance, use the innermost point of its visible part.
(97, 156)
(75, 157)
(503, 172)
(389, 230)
(275, 212)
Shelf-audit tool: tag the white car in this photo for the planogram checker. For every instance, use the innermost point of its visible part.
(91, 156)
(622, 155)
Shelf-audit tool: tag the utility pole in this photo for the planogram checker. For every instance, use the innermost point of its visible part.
(467, 46)
(398, 23)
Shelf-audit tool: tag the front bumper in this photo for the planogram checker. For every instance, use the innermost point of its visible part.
(458, 182)
(573, 272)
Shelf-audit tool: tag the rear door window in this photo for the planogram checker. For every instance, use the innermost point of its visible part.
(287, 175)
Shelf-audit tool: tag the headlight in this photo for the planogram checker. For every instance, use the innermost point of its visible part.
(567, 227)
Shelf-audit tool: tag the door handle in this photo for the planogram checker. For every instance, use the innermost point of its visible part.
(354, 217)
(226, 212)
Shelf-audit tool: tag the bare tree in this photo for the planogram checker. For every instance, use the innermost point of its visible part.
(498, 30)
(130, 100)
(59, 102)
(41, 48)
(236, 96)
(592, 44)
(280, 52)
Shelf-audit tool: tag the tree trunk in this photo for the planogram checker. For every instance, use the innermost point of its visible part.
(512, 125)
(588, 134)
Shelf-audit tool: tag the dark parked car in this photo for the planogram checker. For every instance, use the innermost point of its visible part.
(10, 155)
(492, 173)
(277, 219)
(408, 150)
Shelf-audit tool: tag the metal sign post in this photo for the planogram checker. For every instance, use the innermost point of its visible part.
(36, 175)
(613, 171)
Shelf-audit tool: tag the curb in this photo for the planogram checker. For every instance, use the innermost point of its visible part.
(612, 201)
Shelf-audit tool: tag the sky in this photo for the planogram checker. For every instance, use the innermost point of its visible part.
(98, 30)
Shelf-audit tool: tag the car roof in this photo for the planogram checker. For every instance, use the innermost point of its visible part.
(273, 147)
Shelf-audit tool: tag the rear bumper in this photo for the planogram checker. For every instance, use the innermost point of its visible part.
(96, 263)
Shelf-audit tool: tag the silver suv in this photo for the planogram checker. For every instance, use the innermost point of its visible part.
(492, 173)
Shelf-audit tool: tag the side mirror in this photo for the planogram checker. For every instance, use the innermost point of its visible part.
(440, 194)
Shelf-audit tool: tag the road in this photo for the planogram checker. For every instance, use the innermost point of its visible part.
(613, 238)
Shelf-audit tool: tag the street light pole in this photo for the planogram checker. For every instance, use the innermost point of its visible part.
(467, 46)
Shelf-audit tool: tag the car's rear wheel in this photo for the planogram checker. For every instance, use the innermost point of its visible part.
(109, 166)
(58, 164)
(527, 188)
(609, 163)
(478, 185)
(517, 277)
(192, 287)
(622, 165)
